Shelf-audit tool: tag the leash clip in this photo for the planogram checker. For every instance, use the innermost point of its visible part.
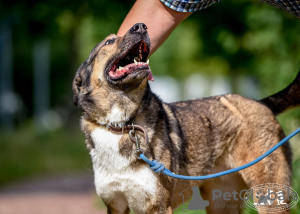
(133, 136)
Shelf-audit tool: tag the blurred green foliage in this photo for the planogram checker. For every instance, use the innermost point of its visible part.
(231, 38)
(235, 38)
(26, 153)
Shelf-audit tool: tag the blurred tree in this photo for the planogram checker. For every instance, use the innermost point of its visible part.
(65, 23)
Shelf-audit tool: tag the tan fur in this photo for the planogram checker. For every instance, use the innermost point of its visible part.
(192, 138)
(232, 108)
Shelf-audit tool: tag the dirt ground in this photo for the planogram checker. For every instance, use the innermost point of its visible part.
(60, 194)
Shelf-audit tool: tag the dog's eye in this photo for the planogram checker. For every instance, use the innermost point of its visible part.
(110, 41)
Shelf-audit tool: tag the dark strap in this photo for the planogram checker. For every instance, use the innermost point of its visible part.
(128, 128)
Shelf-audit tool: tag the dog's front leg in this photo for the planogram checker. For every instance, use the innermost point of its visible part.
(170, 210)
(158, 210)
(116, 211)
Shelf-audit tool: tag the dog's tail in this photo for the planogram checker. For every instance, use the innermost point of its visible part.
(285, 99)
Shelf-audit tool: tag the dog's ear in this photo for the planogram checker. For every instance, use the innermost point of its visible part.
(81, 81)
(76, 88)
(82, 78)
(77, 82)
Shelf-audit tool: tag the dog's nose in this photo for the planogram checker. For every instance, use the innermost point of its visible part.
(139, 28)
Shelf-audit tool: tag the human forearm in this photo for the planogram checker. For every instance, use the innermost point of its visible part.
(160, 20)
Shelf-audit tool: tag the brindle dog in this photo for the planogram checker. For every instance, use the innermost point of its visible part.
(195, 137)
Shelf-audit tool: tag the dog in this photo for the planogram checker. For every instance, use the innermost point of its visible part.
(194, 137)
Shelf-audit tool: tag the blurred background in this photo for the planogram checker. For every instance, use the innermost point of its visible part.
(245, 47)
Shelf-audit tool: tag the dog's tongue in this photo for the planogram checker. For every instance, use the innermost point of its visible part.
(122, 71)
(150, 77)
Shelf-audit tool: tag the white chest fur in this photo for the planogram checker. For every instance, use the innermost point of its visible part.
(113, 173)
(114, 116)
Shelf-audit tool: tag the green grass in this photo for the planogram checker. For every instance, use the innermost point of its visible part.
(183, 209)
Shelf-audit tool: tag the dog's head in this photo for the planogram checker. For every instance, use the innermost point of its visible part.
(114, 77)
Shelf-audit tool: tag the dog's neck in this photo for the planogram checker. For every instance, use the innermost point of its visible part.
(121, 115)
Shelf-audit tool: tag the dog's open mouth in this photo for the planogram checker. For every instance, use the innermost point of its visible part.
(134, 60)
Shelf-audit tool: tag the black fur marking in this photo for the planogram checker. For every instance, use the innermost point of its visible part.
(183, 145)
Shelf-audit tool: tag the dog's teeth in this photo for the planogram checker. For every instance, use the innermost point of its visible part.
(120, 68)
(148, 61)
(135, 62)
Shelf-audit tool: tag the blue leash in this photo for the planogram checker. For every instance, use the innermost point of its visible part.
(159, 167)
